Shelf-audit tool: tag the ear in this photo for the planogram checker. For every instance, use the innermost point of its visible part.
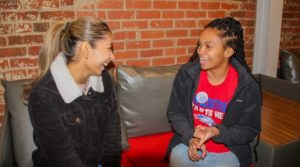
(228, 52)
(84, 50)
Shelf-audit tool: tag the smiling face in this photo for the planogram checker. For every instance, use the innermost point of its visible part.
(100, 55)
(211, 50)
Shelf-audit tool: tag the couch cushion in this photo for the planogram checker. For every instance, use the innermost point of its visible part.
(290, 65)
(20, 123)
(147, 151)
(143, 94)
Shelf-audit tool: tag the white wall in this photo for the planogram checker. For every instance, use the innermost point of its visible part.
(267, 36)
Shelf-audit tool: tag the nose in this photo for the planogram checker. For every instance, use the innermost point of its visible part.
(111, 56)
(200, 50)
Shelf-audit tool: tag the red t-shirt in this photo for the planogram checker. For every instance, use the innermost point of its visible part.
(210, 103)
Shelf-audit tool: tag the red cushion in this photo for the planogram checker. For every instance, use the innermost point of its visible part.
(147, 151)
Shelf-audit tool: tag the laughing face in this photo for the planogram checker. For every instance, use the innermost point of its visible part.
(211, 50)
(100, 55)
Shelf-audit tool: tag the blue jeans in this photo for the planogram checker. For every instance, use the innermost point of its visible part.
(180, 158)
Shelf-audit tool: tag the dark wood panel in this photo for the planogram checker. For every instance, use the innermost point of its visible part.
(280, 119)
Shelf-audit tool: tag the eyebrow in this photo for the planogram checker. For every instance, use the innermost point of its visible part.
(207, 42)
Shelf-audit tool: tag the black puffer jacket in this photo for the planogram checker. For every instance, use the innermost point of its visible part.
(76, 134)
(241, 123)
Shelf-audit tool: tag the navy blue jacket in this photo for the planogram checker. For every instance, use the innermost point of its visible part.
(241, 123)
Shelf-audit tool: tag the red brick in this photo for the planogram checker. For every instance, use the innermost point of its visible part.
(6, 29)
(124, 35)
(164, 5)
(50, 4)
(176, 33)
(111, 4)
(88, 6)
(34, 50)
(23, 62)
(297, 30)
(152, 53)
(137, 44)
(249, 30)
(173, 14)
(19, 16)
(31, 73)
(148, 14)
(118, 45)
(247, 22)
(141, 63)
(188, 5)
(114, 24)
(67, 2)
(163, 43)
(249, 46)
(185, 23)
(4, 64)
(215, 14)
(161, 24)
(135, 24)
(191, 50)
(295, 8)
(57, 15)
(182, 59)
(12, 52)
(210, 5)
(138, 4)
(195, 33)
(26, 39)
(291, 15)
(86, 13)
(248, 6)
(126, 55)
(40, 27)
(152, 34)
(203, 23)
(229, 6)
(102, 15)
(9, 5)
(14, 75)
(163, 61)
(175, 51)
(186, 42)
(120, 15)
(3, 41)
(23, 27)
(243, 14)
(195, 14)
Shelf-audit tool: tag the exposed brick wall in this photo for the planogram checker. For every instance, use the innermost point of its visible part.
(146, 32)
(290, 30)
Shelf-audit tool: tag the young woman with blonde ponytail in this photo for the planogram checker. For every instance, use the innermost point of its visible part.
(72, 103)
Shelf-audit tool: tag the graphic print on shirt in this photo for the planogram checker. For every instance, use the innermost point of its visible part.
(208, 111)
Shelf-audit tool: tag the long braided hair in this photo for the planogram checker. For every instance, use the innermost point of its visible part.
(233, 34)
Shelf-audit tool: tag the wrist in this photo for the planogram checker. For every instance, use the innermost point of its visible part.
(216, 131)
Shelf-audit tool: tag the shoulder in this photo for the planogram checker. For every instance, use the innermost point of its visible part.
(45, 86)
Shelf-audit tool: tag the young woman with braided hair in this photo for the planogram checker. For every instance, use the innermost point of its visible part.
(72, 105)
(215, 105)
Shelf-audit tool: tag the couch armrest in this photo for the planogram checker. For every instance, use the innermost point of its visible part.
(6, 154)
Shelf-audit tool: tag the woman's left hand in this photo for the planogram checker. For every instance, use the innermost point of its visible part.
(205, 133)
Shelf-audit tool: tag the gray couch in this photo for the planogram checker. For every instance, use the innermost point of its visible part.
(289, 68)
(135, 88)
(143, 95)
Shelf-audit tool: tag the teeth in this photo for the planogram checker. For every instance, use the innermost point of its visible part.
(202, 58)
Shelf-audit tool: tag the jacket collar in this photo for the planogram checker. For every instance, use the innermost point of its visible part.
(67, 87)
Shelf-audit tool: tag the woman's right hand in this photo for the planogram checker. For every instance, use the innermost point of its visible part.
(193, 149)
